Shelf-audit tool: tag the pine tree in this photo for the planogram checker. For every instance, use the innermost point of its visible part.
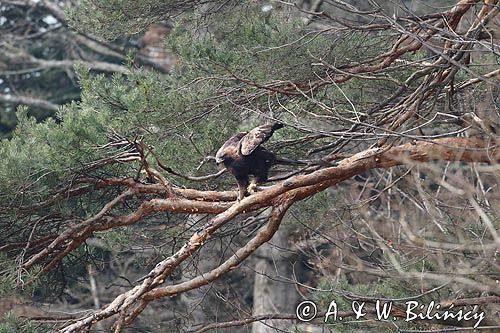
(387, 202)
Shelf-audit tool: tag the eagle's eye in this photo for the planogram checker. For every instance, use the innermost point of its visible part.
(220, 159)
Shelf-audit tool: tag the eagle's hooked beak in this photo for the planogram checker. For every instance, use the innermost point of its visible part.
(219, 160)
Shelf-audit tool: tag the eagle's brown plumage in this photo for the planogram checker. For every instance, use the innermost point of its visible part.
(243, 155)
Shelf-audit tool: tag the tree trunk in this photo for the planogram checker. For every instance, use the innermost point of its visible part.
(272, 291)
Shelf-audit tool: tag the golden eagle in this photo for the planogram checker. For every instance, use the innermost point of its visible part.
(243, 155)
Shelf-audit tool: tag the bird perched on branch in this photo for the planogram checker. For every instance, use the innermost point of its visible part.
(243, 155)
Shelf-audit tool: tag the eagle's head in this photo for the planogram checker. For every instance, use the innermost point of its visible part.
(229, 152)
(219, 160)
(223, 160)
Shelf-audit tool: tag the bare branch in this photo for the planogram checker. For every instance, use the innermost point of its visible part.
(282, 195)
(30, 101)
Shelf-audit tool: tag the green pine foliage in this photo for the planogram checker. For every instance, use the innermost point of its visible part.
(115, 18)
(12, 324)
(184, 116)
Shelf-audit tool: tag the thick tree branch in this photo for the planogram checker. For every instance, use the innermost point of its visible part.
(30, 101)
(290, 191)
(264, 235)
(297, 187)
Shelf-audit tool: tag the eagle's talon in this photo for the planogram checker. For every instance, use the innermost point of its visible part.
(252, 188)
(241, 194)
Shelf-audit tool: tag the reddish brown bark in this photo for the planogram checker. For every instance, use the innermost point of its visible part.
(279, 196)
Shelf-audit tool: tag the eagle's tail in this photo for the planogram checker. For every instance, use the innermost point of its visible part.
(287, 161)
(277, 126)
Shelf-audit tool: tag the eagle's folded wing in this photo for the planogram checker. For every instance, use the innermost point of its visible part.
(256, 137)
(231, 146)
